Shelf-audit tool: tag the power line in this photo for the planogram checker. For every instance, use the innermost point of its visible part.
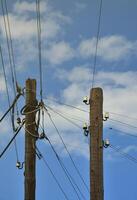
(12, 105)
(70, 121)
(122, 115)
(10, 47)
(7, 91)
(13, 138)
(123, 132)
(123, 123)
(10, 38)
(53, 175)
(73, 117)
(97, 41)
(68, 105)
(39, 44)
(69, 177)
(65, 170)
(125, 155)
(9, 51)
(67, 150)
(4, 73)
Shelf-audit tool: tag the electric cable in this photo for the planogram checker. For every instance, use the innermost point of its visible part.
(60, 162)
(61, 103)
(67, 174)
(11, 42)
(53, 175)
(70, 178)
(72, 161)
(9, 109)
(7, 91)
(10, 47)
(39, 45)
(13, 138)
(33, 135)
(68, 105)
(67, 115)
(23, 112)
(4, 73)
(70, 121)
(123, 123)
(123, 132)
(125, 155)
(122, 115)
(97, 41)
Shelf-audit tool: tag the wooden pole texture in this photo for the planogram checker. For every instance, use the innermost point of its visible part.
(96, 144)
(30, 156)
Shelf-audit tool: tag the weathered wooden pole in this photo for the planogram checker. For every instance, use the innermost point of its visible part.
(96, 144)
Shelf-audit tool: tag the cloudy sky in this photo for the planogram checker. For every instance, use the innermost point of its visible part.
(69, 30)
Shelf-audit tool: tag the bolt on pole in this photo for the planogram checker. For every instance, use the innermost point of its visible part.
(96, 144)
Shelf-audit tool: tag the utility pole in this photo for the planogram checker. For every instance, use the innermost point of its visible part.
(96, 144)
(30, 155)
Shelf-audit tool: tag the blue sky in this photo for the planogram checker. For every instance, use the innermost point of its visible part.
(69, 31)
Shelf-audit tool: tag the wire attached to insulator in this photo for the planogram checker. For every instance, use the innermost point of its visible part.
(86, 130)
(20, 165)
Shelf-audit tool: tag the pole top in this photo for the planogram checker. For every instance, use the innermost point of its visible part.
(97, 89)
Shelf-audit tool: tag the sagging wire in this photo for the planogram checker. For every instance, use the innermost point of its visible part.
(13, 138)
(68, 105)
(38, 12)
(7, 91)
(70, 178)
(43, 136)
(123, 123)
(61, 115)
(53, 175)
(72, 117)
(10, 48)
(123, 132)
(67, 174)
(97, 42)
(12, 105)
(124, 154)
(74, 165)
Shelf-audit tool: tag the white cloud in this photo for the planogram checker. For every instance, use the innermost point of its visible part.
(77, 74)
(24, 6)
(110, 48)
(130, 148)
(21, 27)
(23, 23)
(59, 53)
(24, 33)
(2, 84)
(80, 6)
(119, 92)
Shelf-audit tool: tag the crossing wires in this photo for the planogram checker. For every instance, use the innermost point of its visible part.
(124, 154)
(53, 175)
(72, 161)
(7, 91)
(69, 177)
(9, 43)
